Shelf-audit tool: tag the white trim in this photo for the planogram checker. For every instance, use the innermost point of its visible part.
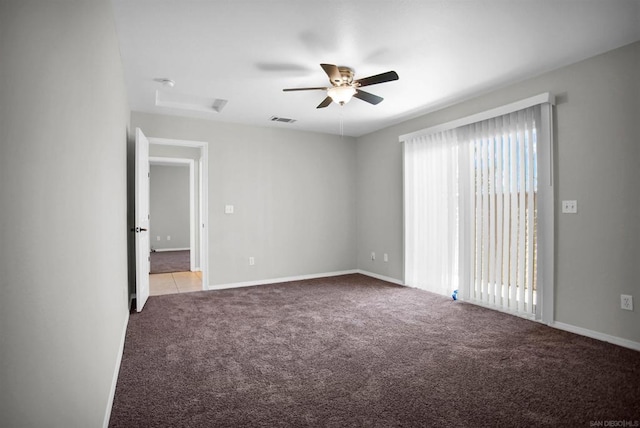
(546, 219)
(159, 160)
(181, 143)
(282, 279)
(160, 250)
(404, 216)
(381, 277)
(116, 372)
(478, 117)
(192, 215)
(597, 335)
(204, 215)
(204, 198)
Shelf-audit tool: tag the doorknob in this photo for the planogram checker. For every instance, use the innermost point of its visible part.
(138, 229)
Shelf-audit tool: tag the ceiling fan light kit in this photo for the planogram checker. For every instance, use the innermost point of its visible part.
(341, 94)
(343, 87)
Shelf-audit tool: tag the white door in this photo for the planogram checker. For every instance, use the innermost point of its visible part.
(142, 219)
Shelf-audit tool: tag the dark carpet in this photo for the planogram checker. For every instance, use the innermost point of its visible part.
(352, 351)
(170, 261)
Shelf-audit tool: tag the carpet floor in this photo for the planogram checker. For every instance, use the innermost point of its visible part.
(353, 351)
(170, 261)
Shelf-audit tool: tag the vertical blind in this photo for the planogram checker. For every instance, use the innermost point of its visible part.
(431, 241)
(503, 194)
(471, 205)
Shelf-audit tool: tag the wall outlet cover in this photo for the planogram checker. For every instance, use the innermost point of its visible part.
(626, 302)
(570, 207)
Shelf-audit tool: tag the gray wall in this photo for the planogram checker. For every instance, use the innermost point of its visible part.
(169, 206)
(63, 228)
(597, 163)
(293, 193)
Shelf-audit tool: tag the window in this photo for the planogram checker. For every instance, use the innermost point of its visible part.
(479, 209)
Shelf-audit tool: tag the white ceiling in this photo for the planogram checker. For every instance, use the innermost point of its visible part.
(444, 51)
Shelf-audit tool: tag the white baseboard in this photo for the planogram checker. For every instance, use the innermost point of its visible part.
(283, 279)
(116, 372)
(159, 250)
(597, 335)
(382, 277)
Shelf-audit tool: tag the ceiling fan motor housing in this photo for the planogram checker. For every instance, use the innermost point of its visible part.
(346, 73)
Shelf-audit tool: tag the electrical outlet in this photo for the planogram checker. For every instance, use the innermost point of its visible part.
(168, 237)
(157, 238)
(386, 257)
(252, 261)
(373, 255)
(626, 302)
(570, 207)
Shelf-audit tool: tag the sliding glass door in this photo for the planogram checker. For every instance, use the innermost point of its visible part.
(472, 210)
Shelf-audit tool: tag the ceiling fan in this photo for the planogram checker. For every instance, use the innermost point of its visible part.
(343, 87)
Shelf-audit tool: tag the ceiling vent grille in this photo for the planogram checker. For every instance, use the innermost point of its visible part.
(281, 119)
(218, 105)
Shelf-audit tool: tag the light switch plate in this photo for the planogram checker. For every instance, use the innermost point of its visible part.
(228, 209)
(569, 207)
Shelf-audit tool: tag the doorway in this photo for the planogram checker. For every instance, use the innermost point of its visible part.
(178, 216)
(172, 206)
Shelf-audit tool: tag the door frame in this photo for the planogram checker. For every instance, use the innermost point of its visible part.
(160, 161)
(203, 181)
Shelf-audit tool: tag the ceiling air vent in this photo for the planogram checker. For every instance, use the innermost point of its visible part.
(218, 105)
(281, 119)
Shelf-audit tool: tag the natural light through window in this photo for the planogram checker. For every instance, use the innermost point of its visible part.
(472, 208)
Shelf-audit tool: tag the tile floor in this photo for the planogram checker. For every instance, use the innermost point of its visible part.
(176, 282)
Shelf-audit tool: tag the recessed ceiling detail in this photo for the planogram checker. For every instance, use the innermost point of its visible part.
(170, 83)
(444, 52)
(176, 100)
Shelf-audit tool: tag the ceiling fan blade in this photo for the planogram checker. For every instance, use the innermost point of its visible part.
(325, 102)
(366, 96)
(378, 78)
(333, 72)
(305, 89)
